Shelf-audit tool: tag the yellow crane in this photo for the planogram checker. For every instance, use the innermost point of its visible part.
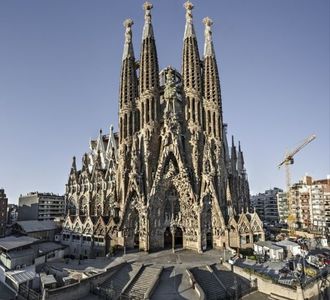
(287, 161)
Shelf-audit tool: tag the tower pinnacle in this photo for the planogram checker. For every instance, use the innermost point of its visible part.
(128, 47)
(147, 28)
(208, 46)
(189, 28)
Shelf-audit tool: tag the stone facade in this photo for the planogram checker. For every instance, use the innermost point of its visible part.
(167, 178)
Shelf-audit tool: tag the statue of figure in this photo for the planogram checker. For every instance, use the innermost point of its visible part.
(170, 89)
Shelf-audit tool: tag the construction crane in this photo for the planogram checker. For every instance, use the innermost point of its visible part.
(287, 161)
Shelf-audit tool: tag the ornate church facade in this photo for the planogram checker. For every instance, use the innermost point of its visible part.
(167, 178)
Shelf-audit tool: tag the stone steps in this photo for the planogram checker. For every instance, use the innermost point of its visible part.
(118, 281)
(208, 282)
(142, 282)
(174, 284)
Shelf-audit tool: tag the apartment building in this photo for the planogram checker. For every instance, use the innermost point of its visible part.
(3, 212)
(266, 206)
(310, 204)
(40, 206)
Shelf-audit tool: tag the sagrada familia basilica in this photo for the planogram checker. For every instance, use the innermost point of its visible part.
(167, 178)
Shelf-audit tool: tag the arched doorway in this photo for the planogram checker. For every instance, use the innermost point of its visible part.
(136, 240)
(167, 238)
(209, 240)
(178, 238)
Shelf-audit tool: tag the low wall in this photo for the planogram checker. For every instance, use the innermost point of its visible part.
(196, 286)
(79, 289)
(266, 286)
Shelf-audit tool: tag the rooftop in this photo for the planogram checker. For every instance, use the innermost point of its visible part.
(268, 244)
(13, 242)
(35, 225)
(287, 243)
(47, 279)
(47, 247)
(21, 276)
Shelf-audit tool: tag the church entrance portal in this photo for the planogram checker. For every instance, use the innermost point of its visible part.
(136, 240)
(178, 238)
(209, 240)
(167, 238)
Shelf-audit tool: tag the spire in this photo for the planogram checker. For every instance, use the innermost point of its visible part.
(128, 45)
(149, 71)
(228, 193)
(212, 92)
(191, 66)
(208, 46)
(229, 201)
(240, 159)
(189, 30)
(128, 86)
(233, 149)
(85, 162)
(74, 165)
(149, 64)
(147, 28)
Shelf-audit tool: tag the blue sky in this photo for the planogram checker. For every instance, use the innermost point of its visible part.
(59, 81)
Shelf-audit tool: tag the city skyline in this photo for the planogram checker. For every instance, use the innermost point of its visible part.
(60, 80)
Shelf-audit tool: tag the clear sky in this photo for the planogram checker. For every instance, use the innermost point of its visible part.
(59, 81)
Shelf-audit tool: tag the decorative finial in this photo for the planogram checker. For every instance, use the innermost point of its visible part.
(189, 29)
(208, 46)
(128, 23)
(147, 5)
(128, 47)
(147, 28)
(188, 5)
(208, 22)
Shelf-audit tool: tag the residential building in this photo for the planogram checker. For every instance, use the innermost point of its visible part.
(168, 178)
(266, 206)
(310, 204)
(3, 212)
(12, 213)
(320, 205)
(40, 206)
(282, 207)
